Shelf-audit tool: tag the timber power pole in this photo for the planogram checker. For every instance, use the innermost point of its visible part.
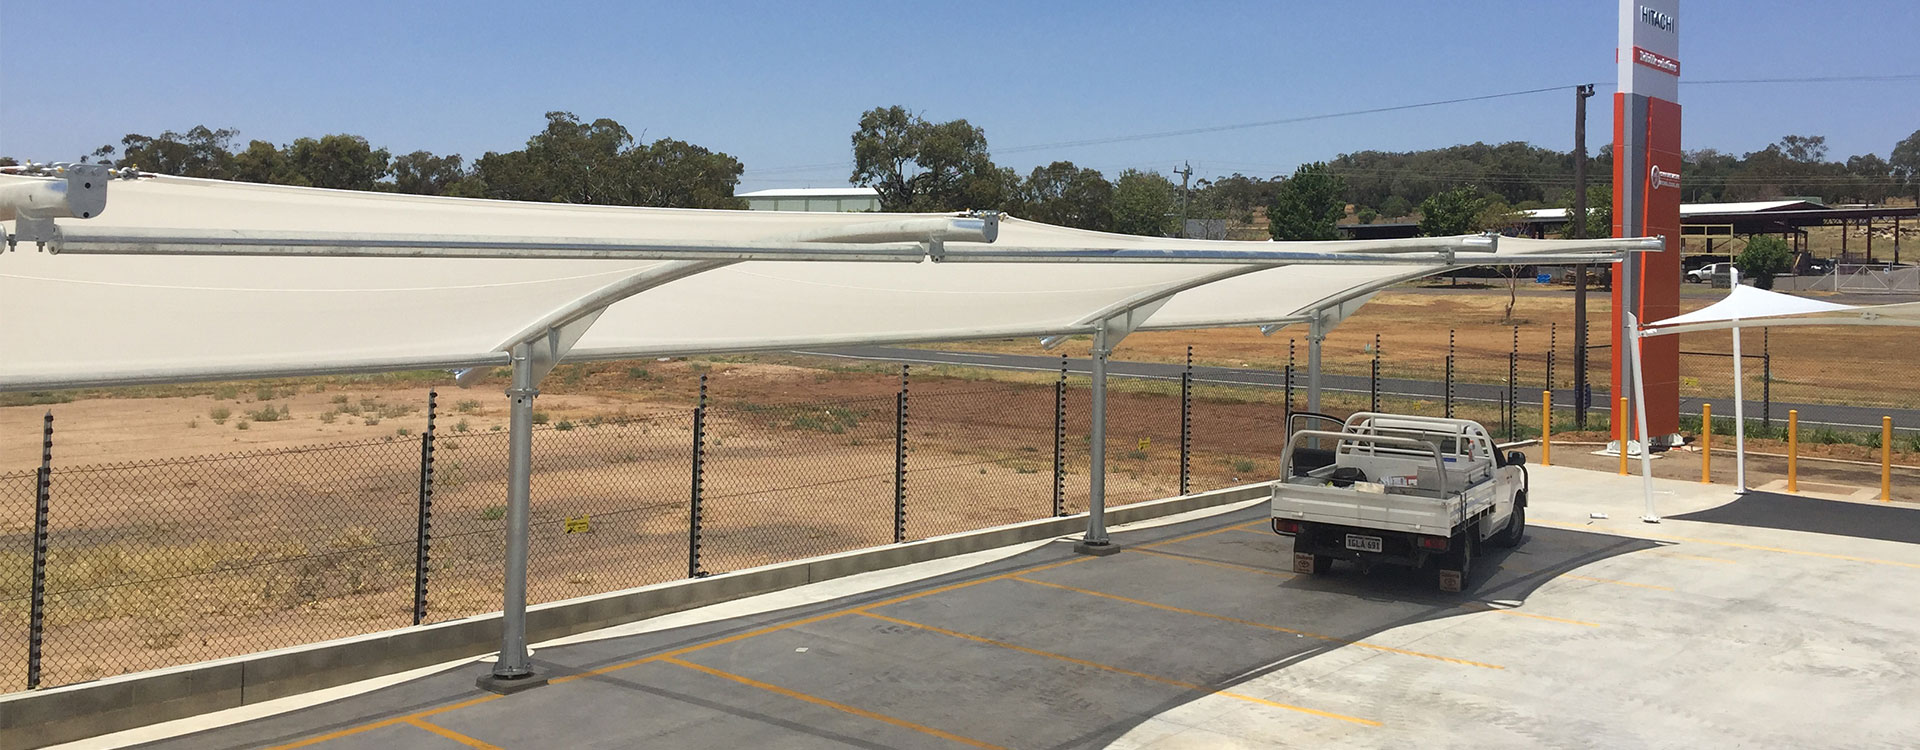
(1185, 172)
(1582, 392)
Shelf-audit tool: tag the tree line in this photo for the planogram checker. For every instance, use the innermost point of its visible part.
(919, 165)
(569, 161)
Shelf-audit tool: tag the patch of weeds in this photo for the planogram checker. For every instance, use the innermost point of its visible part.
(564, 425)
(328, 417)
(638, 373)
(495, 428)
(461, 426)
(403, 432)
(493, 513)
(227, 392)
(242, 425)
(1243, 465)
(339, 398)
(539, 417)
(468, 406)
(447, 474)
(827, 420)
(219, 414)
(452, 445)
(270, 413)
(34, 398)
(699, 366)
(193, 424)
(1137, 455)
(370, 421)
(265, 393)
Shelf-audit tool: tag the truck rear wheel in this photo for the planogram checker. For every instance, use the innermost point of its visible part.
(1457, 563)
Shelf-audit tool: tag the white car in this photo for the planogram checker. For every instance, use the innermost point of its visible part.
(1706, 273)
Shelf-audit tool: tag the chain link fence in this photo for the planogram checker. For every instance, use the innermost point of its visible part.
(155, 563)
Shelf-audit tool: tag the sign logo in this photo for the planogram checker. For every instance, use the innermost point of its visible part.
(1656, 19)
(1657, 179)
(1658, 62)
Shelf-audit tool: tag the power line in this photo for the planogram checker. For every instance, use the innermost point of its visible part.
(1888, 78)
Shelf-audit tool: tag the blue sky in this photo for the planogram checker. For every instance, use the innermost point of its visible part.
(781, 85)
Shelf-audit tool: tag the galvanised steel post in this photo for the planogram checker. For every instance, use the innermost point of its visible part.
(900, 459)
(37, 606)
(1096, 541)
(697, 493)
(423, 531)
(511, 671)
(1060, 441)
(1186, 423)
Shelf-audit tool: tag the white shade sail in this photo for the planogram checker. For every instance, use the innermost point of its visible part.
(72, 320)
(1748, 307)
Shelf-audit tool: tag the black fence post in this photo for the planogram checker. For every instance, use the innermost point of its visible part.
(1060, 440)
(1513, 374)
(1553, 345)
(1766, 381)
(699, 480)
(900, 458)
(1186, 425)
(1373, 387)
(37, 608)
(1582, 391)
(423, 532)
(1286, 415)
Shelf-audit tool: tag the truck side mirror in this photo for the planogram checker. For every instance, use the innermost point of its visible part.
(1516, 458)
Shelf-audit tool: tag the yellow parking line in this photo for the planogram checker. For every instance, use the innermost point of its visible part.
(811, 620)
(1250, 623)
(1736, 545)
(349, 731)
(1529, 571)
(1217, 564)
(1698, 557)
(1189, 537)
(1262, 571)
(861, 712)
(1117, 670)
(450, 734)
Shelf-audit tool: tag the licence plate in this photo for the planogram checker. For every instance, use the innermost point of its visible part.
(1364, 543)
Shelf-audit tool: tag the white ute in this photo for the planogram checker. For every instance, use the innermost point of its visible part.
(1398, 489)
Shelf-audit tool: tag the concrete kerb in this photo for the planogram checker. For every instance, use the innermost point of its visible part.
(63, 714)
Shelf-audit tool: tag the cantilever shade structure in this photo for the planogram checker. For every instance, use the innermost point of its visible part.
(1748, 307)
(180, 279)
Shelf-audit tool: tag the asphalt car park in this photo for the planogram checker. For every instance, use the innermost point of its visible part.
(1760, 621)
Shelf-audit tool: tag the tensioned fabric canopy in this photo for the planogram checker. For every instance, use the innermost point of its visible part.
(1749, 307)
(73, 320)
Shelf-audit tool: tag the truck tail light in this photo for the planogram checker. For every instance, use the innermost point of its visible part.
(1434, 543)
(1283, 526)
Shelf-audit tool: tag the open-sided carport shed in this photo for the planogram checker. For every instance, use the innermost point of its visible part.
(181, 280)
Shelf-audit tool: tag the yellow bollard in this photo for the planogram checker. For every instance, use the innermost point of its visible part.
(1793, 450)
(1546, 428)
(1706, 443)
(1622, 430)
(1886, 459)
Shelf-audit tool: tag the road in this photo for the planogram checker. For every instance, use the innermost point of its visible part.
(1823, 415)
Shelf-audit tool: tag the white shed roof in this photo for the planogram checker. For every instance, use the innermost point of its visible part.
(71, 320)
